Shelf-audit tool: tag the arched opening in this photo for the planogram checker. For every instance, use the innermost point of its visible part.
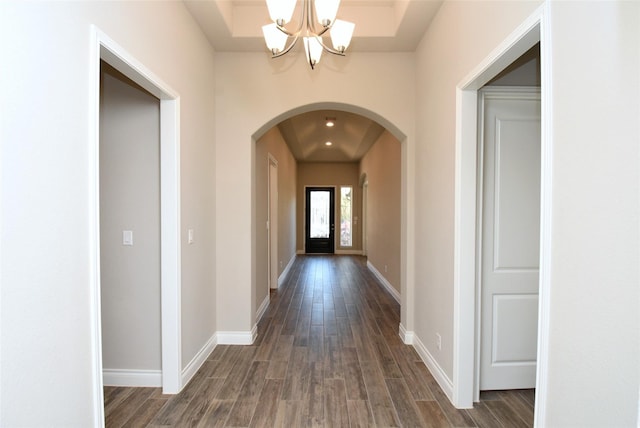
(268, 143)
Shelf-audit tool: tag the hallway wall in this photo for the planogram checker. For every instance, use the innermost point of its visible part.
(273, 143)
(253, 94)
(383, 164)
(593, 218)
(48, 331)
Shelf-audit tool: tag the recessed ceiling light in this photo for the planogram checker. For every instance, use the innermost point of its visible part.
(328, 143)
(330, 121)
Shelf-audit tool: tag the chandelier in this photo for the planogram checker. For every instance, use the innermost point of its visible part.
(323, 12)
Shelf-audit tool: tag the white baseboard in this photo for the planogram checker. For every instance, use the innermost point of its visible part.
(283, 276)
(438, 373)
(390, 288)
(262, 309)
(237, 337)
(198, 360)
(299, 251)
(406, 336)
(136, 378)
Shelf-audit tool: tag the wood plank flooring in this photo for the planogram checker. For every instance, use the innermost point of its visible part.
(327, 354)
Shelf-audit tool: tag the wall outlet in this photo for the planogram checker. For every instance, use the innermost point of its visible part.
(385, 268)
(439, 341)
(280, 263)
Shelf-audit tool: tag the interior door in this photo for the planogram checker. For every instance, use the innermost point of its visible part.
(320, 220)
(510, 239)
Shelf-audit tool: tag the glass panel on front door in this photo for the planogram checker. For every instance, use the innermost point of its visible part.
(320, 210)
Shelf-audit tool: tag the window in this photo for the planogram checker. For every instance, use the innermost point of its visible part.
(346, 203)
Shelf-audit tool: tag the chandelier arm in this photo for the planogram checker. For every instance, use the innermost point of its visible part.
(288, 48)
(328, 49)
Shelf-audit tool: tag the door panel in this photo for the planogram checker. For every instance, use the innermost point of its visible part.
(510, 240)
(320, 220)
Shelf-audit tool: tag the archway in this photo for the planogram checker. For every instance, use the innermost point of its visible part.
(406, 286)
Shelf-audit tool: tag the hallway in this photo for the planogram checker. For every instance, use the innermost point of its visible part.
(327, 354)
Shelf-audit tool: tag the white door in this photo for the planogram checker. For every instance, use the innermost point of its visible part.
(510, 238)
(273, 224)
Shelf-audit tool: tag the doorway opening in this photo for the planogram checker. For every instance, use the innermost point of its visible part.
(129, 157)
(466, 386)
(320, 220)
(106, 50)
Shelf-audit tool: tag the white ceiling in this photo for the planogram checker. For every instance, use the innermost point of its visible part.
(381, 26)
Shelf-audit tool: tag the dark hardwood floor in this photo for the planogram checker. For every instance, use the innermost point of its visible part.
(327, 354)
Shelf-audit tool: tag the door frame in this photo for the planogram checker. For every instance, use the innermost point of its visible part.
(304, 213)
(105, 49)
(504, 92)
(532, 30)
(271, 160)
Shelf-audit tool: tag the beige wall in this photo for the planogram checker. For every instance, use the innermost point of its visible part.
(592, 347)
(273, 144)
(48, 273)
(255, 93)
(595, 209)
(329, 174)
(382, 166)
(129, 200)
(460, 36)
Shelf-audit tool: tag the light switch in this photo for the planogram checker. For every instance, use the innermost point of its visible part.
(190, 236)
(127, 237)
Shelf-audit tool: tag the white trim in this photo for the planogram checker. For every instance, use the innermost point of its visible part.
(406, 336)
(237, 337)
(438, 373)
(390, 288)
(199, 359)
(283, 276)
(263, 308)
(546, 198)
(464, 327)
(95, 310)
(104, 48)
(132, 378)
(300, 252)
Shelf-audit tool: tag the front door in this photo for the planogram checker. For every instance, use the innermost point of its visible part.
(510, 240)
(319, 223)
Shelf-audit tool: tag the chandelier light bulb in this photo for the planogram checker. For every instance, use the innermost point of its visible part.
(313, 48)
(274, 38)
(326, 11)
(281, 11)
(341, 33)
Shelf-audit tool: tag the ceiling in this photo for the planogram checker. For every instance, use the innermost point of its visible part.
(351, 137)
(381, 26)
